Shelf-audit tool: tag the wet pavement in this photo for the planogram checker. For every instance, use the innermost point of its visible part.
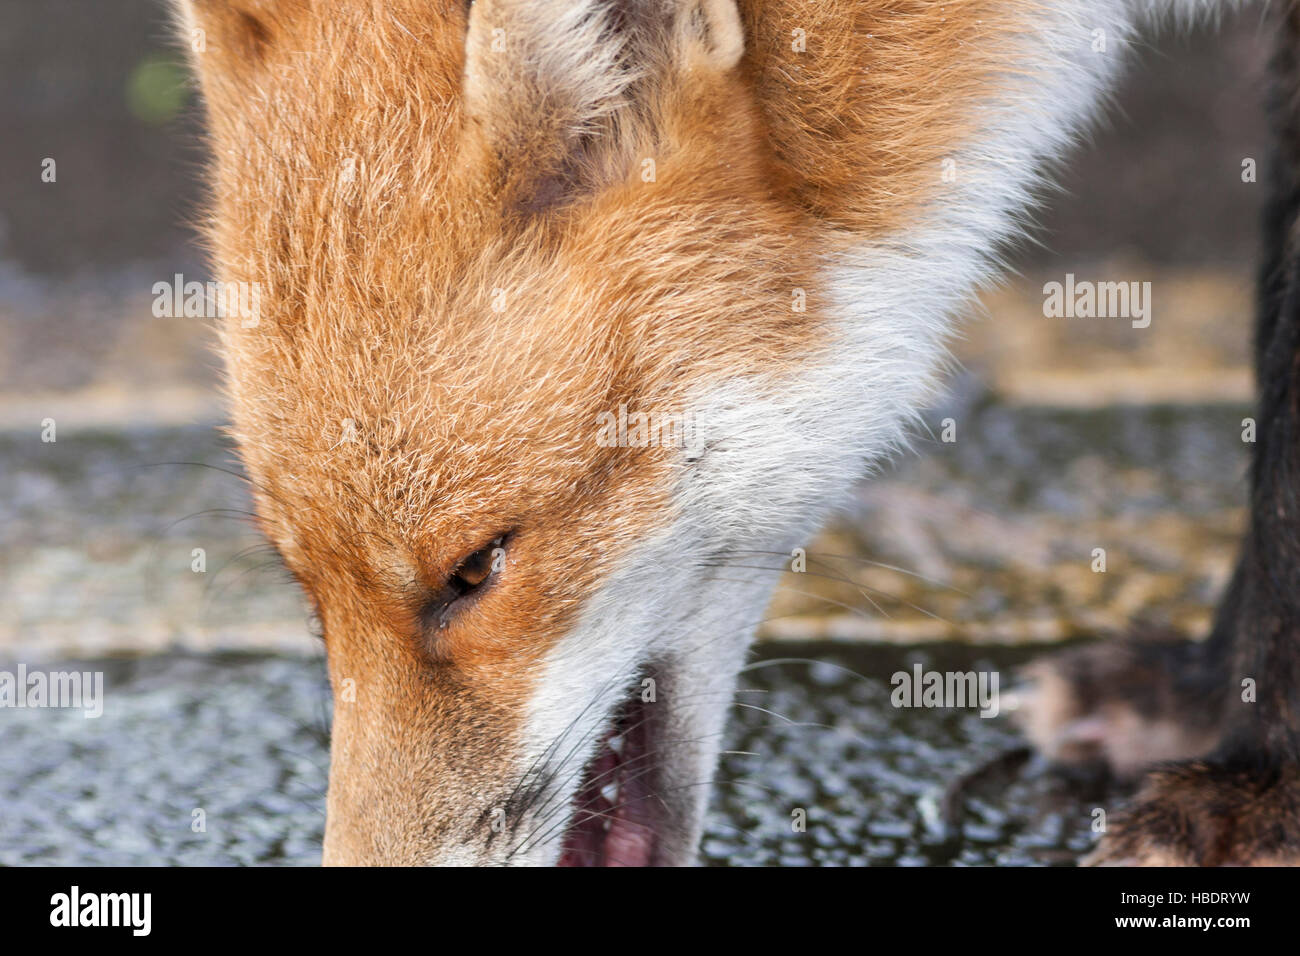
(244, 740)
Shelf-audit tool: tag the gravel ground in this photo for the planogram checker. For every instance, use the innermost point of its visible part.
(243, 738)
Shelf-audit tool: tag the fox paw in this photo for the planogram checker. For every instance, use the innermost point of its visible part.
(1200, 814)
(1119, 706)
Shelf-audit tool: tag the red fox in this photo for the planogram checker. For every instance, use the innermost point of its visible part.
(742, 229)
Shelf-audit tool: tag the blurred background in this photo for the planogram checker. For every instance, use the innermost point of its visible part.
(1070, 435)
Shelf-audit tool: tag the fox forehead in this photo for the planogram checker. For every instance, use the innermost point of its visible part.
(428, 361)
(356, 184)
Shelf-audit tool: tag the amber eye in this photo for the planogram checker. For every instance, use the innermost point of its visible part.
(470, 576)
(477, 568)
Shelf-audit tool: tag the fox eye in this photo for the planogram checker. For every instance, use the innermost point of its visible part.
(477, 568)
(470, 576)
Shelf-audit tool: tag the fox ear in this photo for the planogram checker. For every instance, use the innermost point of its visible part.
(562, 93)
(228, 37)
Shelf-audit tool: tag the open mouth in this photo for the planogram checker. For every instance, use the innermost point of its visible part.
(616, 810)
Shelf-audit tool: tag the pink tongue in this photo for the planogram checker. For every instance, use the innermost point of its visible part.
(629, 841)
(585, 843)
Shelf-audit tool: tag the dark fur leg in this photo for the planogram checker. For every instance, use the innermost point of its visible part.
(1241, 803)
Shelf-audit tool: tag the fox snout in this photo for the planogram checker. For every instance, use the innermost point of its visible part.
(393, 802)
(532, 704)
(594, 797)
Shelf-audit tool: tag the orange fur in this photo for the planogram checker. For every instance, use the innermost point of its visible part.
(861, 121)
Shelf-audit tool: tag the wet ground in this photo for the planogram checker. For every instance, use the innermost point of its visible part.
(243, 739)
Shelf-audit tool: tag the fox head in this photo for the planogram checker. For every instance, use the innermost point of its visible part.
(550, 343)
